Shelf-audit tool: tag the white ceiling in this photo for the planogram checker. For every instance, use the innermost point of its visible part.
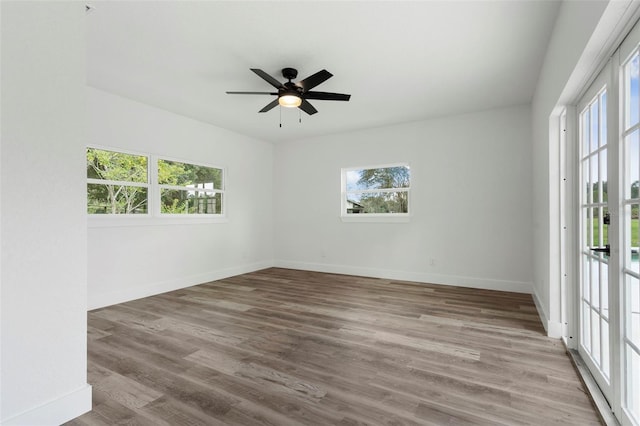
(400, 61)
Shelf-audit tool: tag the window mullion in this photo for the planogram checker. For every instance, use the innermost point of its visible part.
(189, 188)
(117, 182)
(154, 193)
(375, 191)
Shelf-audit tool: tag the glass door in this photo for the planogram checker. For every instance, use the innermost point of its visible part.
(608, 299)
(630, 288)
(593, 309)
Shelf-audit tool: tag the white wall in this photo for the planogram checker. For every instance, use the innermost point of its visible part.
(574, 25)
(470, 200)
(43, 261)
(127, 262)
(584, 36)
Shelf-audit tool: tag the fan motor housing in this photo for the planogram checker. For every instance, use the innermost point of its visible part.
(289, 73)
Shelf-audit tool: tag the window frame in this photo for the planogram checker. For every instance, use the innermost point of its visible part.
(159, 187)
(146, 184)
(373, 217)
(154, 216)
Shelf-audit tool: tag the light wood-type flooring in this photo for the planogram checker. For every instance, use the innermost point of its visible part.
(287, 347)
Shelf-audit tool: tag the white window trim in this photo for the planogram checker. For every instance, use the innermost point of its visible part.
(373, 217)
(378, 218)
(111, 221)
(154, 217)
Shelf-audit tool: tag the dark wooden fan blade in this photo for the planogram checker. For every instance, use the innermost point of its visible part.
(266, 77)
(307, 107)
(252, 93)
(270, 106)
(327, 96)
(315, 79)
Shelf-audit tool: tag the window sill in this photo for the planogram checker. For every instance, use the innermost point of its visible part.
(376, 218)
(122, 221)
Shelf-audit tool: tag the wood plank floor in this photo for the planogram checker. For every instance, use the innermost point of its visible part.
(286, 347)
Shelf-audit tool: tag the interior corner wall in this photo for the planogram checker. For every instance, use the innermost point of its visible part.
(569, 62)
(470, 202)
(129, 262)
(43, 292)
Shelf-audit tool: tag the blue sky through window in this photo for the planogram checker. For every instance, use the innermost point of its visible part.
(632, 73)
(352, 180)
(632, 117)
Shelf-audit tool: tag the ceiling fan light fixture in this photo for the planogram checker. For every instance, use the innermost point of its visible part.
(289, 100)
(295, 95)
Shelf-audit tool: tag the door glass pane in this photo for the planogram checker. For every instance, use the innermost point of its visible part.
(604, 291)
(605, 228)
(603, 176)
(586, 280)
(632, 142)
(633, 309)
(633, 382)
(595, 336)
(595, 226)
(585, 134)
(598, 231)
(603, 118)
(588, 228)
(595, 284)
(594, 126)
(631, 98)
(586, 277)
(605, 349)
(632, 236)
(594, 179)
(586, 326)
(586, 186)
(592, 223)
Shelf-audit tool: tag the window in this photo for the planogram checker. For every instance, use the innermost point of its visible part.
(124, 184)
(117, 183)
(189, 188)
(376, 191)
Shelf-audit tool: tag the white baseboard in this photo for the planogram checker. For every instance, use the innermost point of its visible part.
(553, 328)
(453, 280)
(55, 412)
(107, 299)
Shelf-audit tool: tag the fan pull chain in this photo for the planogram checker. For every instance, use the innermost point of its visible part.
(280, 116)
(299, 116)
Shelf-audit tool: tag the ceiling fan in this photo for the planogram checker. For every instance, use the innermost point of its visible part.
(292, 95)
